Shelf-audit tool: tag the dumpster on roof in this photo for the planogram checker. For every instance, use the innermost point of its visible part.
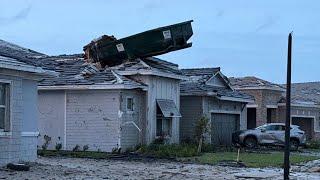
(107, 50)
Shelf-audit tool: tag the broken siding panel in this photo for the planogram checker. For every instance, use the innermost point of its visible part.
(93, 120)
(130, 135)
(191, 111)
(51, 107)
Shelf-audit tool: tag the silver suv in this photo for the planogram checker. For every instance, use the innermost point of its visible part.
(270, 134)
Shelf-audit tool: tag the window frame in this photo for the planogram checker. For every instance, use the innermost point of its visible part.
(7, 132)
(132, 104)
(163, 122)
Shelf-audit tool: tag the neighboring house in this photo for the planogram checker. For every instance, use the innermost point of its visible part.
(18, 103)
(208, 93)
(269, 105)
(110, 108)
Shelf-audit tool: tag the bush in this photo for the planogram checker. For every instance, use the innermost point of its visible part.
(170, 151)
(47, 140)
(85, 147)
(76, 148)
(313, 144)
(58, 146)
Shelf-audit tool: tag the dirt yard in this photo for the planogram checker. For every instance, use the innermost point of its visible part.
(75, 168)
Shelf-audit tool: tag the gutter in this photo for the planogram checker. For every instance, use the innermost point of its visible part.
(86, 87)
(30, 69)
(300, 105)
(226, 98)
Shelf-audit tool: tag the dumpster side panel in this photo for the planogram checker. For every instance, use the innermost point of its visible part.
(93, 119)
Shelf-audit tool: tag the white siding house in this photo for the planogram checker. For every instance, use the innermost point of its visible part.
(18, 105)
(108, 109)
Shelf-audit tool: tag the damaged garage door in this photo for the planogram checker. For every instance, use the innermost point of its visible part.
(222, 127)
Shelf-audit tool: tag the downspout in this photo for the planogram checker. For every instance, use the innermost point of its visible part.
(120, 120)
(65, 120)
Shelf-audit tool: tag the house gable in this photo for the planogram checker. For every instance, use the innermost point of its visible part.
(217, 80)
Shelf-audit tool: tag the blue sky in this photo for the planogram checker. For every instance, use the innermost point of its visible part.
(243, 37)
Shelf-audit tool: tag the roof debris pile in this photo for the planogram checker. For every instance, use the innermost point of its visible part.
(108, 51)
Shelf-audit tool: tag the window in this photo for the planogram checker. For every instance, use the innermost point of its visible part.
(4, 107)
(164, 126)
(130, 104)
(275, 128)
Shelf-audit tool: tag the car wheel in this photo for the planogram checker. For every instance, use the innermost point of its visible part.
(250, 142)
(294, 144)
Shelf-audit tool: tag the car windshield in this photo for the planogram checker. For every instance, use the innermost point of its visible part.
(266, 126)
(262, 127)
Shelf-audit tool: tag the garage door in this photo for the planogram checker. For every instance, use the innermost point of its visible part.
(305, 125)
(222, 126)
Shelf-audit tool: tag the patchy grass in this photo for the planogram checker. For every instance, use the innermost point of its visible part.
(250, 159)
(74, 154)
(313, 144)
(169, 151)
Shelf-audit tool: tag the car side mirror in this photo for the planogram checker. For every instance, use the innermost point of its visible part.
(263, 130)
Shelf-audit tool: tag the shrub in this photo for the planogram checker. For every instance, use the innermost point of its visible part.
(76, 148)
(47, 140)
(313, 144)
(85, 147)
(116, 150)
(58, 146)
(202, 127)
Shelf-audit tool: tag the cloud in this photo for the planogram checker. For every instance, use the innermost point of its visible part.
(21, 15)
(268, 23)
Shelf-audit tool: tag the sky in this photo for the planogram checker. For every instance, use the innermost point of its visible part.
(243, 37)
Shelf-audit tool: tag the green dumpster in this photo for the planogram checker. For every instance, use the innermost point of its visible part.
(110, 51)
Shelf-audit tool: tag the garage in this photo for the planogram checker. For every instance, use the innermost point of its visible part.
(222, 127)
(305, 124)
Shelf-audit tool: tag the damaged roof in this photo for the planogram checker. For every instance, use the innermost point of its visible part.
(151, 66)
(18, 58)
(75, 71)
(251, 82)
(197, 85)
(308, 92)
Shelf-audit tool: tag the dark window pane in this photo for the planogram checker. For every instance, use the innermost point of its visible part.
(2, 118)
(2, 94)
(159, 127)
(130, 104)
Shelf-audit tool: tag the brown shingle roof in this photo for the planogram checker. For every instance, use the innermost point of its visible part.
(252, 82)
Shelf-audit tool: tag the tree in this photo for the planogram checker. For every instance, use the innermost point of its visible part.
(202, 127)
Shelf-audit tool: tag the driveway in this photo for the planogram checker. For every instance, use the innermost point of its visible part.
(76, 168)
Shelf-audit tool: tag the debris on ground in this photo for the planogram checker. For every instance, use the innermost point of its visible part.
(18, 167)
(82, 168)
